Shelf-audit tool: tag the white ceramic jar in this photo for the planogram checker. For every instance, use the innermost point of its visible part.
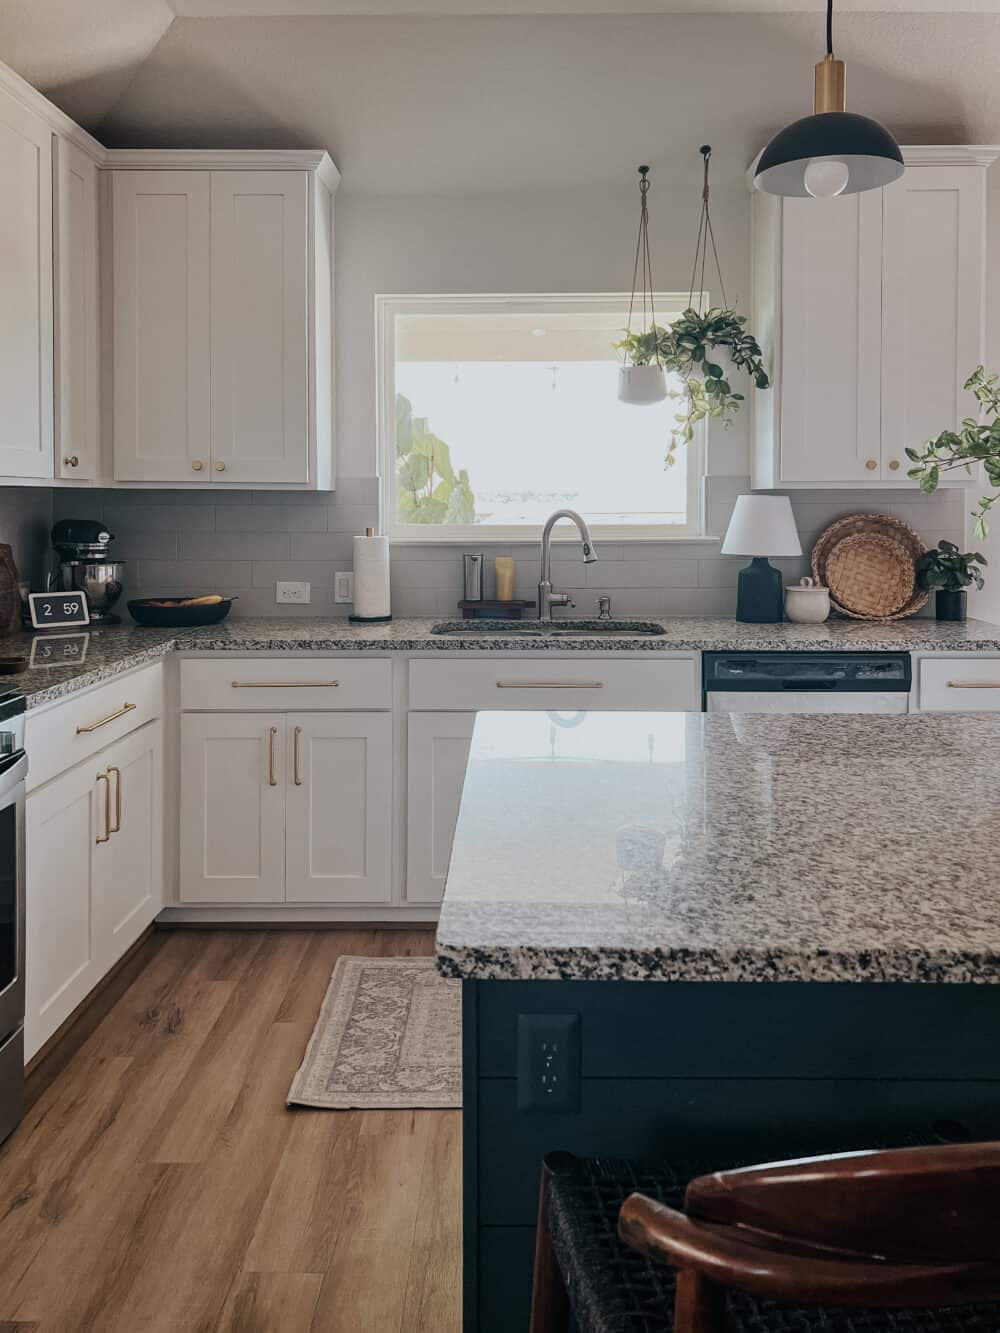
(807, 602)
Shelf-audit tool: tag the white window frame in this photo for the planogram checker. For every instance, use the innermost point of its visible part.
(388, 307)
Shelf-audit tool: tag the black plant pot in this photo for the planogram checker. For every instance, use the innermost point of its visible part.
(949, 604)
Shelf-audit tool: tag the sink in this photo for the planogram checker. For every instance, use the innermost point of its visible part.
(551, 629)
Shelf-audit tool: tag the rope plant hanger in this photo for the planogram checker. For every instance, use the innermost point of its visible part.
(704, 345)
(641, 378)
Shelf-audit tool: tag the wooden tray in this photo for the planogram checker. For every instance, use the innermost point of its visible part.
(884, 525)
(870, 574)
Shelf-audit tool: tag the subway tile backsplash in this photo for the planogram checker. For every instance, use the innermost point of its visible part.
(243, 542)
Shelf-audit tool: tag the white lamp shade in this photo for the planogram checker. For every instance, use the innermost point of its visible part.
(762, 525)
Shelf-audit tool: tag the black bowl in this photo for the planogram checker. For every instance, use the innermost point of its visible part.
(178, 617)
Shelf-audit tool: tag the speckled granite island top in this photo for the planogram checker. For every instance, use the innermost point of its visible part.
(692, 847)
(114, 650)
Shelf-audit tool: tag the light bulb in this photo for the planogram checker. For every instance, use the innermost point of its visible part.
(825, 177)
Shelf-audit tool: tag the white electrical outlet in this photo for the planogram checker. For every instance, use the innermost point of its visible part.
(288, 591)
(343, 587)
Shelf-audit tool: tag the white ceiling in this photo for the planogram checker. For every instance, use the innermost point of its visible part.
(289, 8)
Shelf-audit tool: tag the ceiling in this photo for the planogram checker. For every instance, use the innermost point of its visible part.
(289, 8)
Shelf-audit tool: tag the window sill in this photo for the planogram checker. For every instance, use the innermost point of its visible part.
(560, 538)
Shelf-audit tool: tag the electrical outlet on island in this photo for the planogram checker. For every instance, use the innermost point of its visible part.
(288, 591)
(343, 587)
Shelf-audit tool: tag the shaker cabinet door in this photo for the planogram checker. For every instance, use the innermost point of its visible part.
(77, 322)
(338, 774)
(25, 292)
(162, 322)
(232, 808)
(260, 326)
(437, 751)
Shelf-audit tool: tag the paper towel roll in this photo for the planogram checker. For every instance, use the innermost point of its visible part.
(371, 577)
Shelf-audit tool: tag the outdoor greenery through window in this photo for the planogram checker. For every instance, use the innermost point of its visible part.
(494, 411)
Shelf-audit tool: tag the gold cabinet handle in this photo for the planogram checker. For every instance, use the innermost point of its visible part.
(295, 756)
(112, 768)
(893, 464)
(284, 684)
(106, 836)
(220, 466)
(71, 461)
(871, 464)
(550, 684)
(196, 465)
(103, 722)
(974, 684)
(272, 781)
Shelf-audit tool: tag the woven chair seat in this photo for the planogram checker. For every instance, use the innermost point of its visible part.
(613, 1289)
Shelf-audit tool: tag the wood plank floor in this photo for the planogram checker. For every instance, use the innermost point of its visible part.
(158, 1184)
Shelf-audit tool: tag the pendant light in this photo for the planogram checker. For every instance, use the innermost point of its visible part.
(833, 151)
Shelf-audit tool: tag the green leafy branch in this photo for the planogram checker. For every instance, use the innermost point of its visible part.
(686, 348)
(975, 442)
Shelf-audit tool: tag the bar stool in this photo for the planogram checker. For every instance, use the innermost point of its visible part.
(900, 1241)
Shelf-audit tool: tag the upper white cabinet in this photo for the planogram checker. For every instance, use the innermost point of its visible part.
(222, 328)
(870, 310)
(162, 325)
(77, 331)
(26, 402)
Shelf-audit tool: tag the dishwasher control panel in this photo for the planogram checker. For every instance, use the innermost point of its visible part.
(828, 672)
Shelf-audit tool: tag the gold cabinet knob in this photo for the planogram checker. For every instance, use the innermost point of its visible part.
(197, 465)
(220, 467)
(72, 461)
(872, 464)
(893, 464)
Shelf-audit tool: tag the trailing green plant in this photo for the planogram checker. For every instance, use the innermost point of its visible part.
(688, 348)
(975, 442)
(947, 568)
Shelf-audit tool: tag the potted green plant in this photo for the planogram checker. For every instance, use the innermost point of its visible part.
(947, 572)
(703, 348)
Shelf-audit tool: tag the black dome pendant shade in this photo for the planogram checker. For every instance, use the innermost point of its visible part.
(833, 151)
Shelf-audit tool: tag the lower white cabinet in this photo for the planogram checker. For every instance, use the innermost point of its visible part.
(292, 807)
(94, 874)
(437, 750)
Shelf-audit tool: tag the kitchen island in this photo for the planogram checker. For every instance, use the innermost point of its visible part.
(848, 862)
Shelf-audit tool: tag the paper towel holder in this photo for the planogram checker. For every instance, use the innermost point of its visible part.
(370, 620)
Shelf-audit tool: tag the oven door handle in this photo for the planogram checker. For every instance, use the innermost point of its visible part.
(12, 778)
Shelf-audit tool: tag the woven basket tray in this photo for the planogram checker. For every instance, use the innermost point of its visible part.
(870, 574)
(866, 524)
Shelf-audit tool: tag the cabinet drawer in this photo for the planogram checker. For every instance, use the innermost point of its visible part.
(277, 684)
(960, 684)
(555, 683)
(60, 736)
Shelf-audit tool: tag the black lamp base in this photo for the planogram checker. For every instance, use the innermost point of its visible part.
(760, 597)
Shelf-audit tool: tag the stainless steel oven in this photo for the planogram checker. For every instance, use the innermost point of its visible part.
(13, 769)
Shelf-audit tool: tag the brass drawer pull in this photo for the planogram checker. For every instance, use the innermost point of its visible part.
(112, 768)
(284, 684)
(272, 781)
(106, 837)
(295, 756)
(550, 684)
(974, 684)
(103, 722)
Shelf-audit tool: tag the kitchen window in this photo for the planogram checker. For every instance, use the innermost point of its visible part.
(495, 410)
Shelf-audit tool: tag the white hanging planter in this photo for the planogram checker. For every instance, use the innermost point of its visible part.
(642, 384)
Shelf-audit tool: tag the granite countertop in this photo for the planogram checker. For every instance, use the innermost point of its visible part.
(687, 847)
(111, 651)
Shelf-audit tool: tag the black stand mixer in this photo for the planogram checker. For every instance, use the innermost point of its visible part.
(82, 545)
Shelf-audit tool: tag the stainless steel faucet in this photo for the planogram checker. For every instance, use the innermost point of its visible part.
(547, 599)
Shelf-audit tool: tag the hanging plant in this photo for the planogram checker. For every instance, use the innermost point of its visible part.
(642, 379)
(975, 442)
(703, 347)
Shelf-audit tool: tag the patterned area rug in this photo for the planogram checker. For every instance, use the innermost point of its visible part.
(389, 1036)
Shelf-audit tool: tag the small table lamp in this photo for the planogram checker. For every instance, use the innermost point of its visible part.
(761, 525)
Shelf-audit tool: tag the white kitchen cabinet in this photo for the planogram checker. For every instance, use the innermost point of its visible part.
(260, 325)
(77, 322)
(94, 874)
(870, 310)
(338, 813)
(437, 752)
(25, 292)
(232, 808)
(222, 330)
(162, 325)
